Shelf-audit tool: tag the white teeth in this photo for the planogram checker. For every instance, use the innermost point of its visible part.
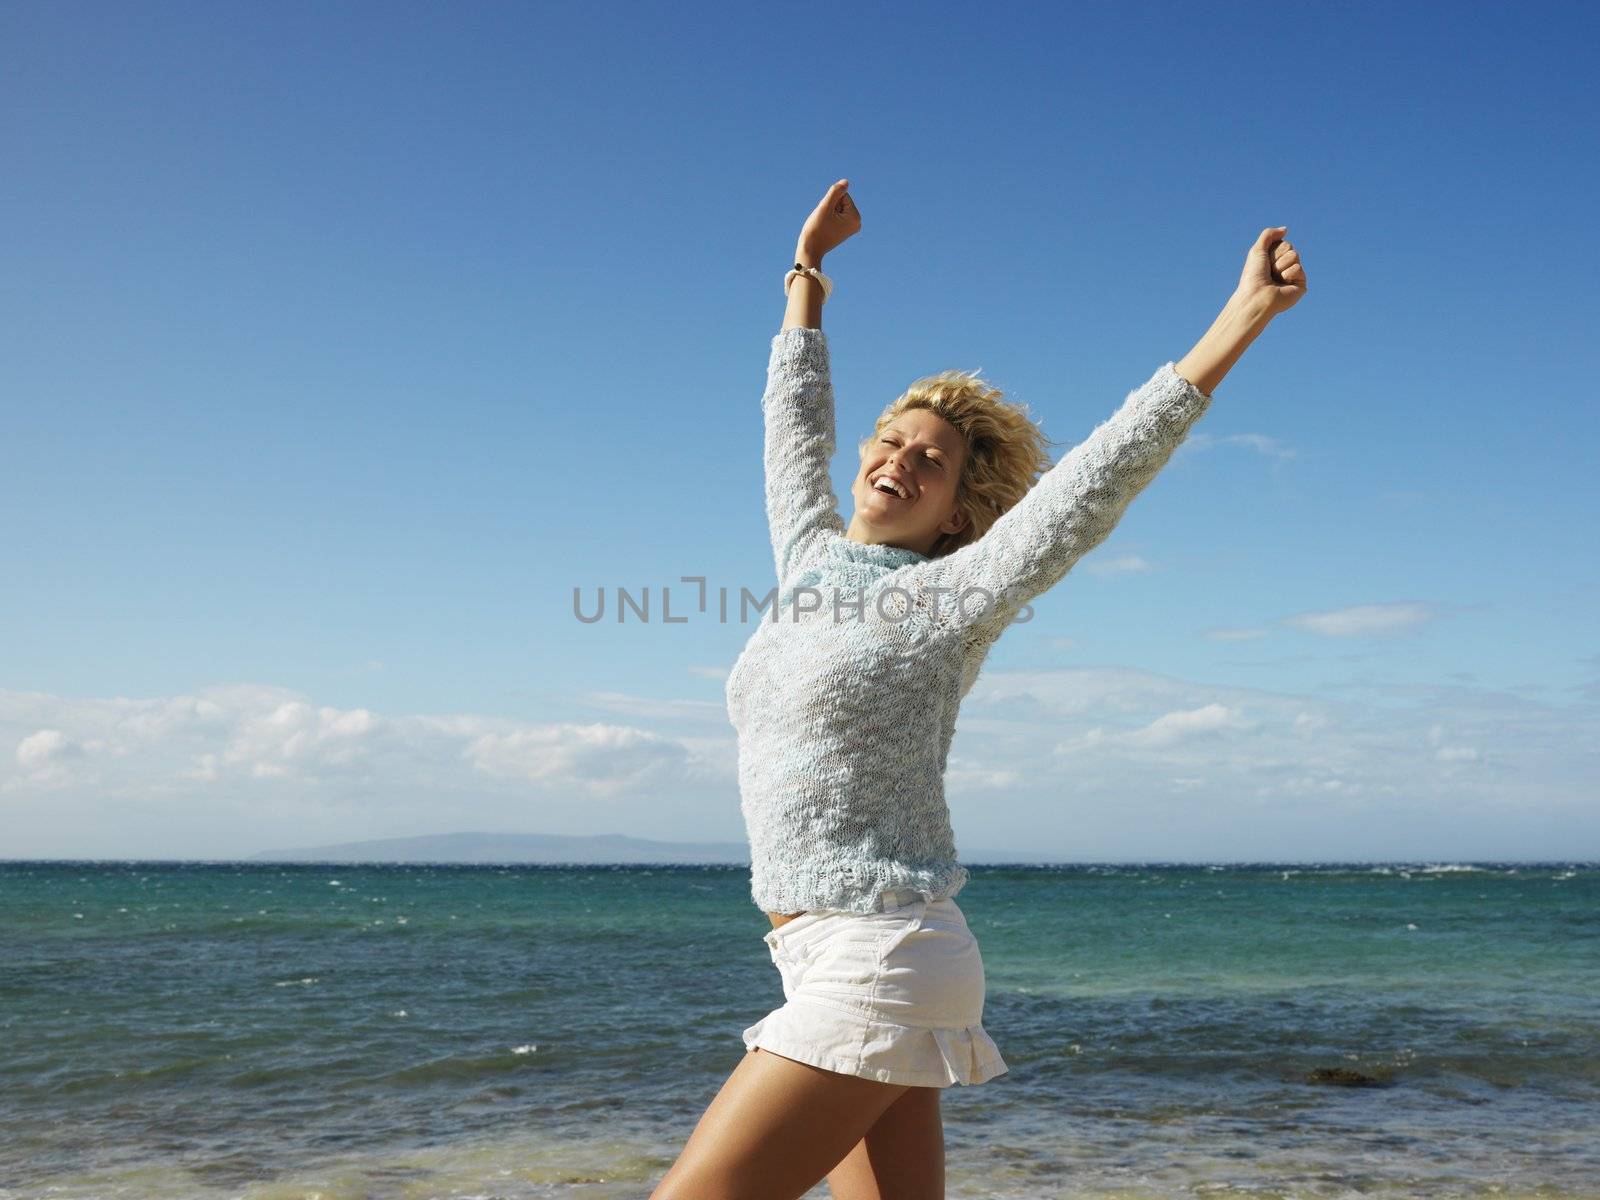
(884, 484)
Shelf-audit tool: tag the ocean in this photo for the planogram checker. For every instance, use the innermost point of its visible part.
(201, 1030)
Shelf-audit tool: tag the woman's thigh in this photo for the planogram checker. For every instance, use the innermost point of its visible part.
(775, 1130)
(902, 1156)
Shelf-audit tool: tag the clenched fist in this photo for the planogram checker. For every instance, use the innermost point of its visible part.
(835, 218)
(1273, 274)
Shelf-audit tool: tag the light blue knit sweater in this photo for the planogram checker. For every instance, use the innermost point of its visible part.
(845, 697)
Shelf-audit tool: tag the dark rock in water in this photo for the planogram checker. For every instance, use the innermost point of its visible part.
(1343, 1077)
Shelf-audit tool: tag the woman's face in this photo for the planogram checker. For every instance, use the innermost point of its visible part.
(923, 454)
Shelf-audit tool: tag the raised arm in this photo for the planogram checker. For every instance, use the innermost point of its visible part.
(802, 507)
(1071, 510)
(1078, 502)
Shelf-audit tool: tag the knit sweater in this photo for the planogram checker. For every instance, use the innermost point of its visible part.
(844, 698)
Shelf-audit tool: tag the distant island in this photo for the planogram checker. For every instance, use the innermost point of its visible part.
(546, 848)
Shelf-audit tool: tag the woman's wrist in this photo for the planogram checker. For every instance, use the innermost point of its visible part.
(1250, 310)
(805, 294)
(1239, 323)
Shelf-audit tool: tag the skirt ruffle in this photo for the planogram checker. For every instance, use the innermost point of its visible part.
(855, 1044)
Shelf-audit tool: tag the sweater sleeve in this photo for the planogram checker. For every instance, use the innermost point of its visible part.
(1071, 509)
(802, 509)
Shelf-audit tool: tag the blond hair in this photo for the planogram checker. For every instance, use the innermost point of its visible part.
(1005, 449)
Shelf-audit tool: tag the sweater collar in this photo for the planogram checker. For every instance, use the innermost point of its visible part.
(842, 550)
(850, 565)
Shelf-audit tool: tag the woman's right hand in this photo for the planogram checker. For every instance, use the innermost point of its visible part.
(830, 223)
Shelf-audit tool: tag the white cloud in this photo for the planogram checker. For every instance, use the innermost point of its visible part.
(1112, 755)
(45, 757)
(235, 740)
(1173, 727)
(965, 774)
(646, 707)
(1123, 564)
(1363, 620)
(1306, 722)
(1088, 760)
(597, 760)
(294, 738)
(1259, 442)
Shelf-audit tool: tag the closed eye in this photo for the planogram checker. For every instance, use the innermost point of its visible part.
(933, 458)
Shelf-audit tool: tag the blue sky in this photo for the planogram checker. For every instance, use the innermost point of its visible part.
(343, 341)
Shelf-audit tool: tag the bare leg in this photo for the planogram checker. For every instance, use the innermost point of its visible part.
(902, 1156)
(774, 1131)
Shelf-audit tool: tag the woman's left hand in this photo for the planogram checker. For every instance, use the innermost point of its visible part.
(1273, 275)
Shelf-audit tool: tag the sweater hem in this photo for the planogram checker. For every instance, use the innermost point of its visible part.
(853, 888)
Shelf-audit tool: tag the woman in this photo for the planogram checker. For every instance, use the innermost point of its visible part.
(845, 700)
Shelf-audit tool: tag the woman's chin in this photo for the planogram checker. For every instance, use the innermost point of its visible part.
(885, 510)
(886, 528)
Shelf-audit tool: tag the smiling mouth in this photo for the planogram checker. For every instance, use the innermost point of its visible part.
(888, 487)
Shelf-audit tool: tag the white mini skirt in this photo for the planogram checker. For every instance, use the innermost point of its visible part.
(895, 996)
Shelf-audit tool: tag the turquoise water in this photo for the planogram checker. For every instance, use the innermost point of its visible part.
(248, 1030)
